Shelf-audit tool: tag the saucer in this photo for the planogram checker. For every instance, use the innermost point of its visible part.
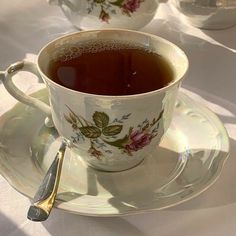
(188, 160)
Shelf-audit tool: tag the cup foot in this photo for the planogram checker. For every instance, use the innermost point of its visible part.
(113, 169)
(105, 166)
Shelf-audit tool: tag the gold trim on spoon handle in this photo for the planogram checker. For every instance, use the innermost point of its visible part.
(45, 196)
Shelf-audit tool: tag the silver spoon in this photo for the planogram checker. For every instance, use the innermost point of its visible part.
(45, 196)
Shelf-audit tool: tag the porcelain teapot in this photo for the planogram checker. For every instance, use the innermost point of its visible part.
(97, 14)
(208, 14)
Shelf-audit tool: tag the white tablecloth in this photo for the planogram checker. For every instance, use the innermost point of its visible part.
(25, 26)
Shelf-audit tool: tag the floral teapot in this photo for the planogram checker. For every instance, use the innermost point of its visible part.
(95, 14)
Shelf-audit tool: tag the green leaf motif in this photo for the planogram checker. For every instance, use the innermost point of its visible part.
(68, 119)
(112, 130)
(117, 3)
(145, 127)
(90, 131)
(101, 119)
(73, 117)
(154, 121)
(119, 143)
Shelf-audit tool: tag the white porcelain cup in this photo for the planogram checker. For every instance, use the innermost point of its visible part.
(110, 133)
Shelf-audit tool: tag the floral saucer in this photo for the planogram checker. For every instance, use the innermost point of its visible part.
(188, 160)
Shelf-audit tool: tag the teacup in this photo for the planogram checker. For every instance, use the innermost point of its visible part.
(110, 133)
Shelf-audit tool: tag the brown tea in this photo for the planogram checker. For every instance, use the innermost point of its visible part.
(109, 70)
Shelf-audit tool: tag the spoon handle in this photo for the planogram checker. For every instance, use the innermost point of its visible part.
(45, 196)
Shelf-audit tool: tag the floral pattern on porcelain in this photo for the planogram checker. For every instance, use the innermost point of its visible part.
(104, 133)
(107, 8)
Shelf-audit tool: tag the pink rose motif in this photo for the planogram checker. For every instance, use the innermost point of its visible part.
(138, 140)
(94, 152)
(130, 6)
(104, 16)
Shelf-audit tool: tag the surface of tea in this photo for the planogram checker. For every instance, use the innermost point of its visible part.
(112, 71)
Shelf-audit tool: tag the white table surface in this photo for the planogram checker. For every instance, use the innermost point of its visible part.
(25, 26)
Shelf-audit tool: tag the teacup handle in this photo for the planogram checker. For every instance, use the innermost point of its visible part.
(7, 78)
